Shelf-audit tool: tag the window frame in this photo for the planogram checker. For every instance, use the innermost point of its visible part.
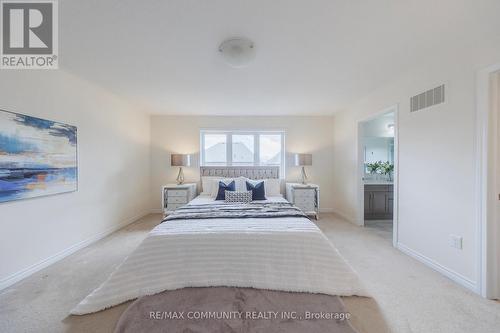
(256, 142)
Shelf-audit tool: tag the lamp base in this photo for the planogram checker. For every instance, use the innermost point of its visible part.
(180, 177)
(304, 176)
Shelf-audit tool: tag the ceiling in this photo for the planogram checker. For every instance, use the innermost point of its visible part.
(313, 57)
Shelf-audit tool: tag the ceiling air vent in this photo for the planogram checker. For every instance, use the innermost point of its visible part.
(426, 99)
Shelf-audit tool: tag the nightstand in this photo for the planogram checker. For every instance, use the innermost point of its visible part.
(175, 196)
(304, 196)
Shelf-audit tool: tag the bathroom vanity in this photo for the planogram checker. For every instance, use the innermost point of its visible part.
(379, 201)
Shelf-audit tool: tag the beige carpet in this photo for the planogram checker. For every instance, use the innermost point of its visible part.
(414, 298)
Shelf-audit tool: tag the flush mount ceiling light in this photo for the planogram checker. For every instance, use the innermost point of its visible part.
(237, 52)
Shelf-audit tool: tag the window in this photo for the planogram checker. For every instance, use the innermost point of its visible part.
(243, 149)
(219, 148)
(270, 146)
(214, 149)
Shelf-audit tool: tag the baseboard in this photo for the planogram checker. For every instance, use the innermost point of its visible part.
(22, 274)
(458, 278)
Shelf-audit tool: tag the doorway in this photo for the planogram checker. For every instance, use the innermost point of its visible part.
(377, 174)
(495, 108)
(488, 181)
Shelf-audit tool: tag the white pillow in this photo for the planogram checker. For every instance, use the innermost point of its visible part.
(241, 184)
(272, 187)
(207, 184)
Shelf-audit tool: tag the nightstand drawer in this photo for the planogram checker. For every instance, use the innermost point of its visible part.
(172, 206)
(304, 201)
(306, 207)
(177, 200)
(304, 193)
(177, 193)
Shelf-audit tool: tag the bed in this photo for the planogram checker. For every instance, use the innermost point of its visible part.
(210, 252)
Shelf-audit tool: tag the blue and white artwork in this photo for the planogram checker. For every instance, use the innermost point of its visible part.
(37, 157)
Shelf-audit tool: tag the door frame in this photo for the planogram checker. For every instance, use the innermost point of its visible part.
(360, 219)
(486, 197)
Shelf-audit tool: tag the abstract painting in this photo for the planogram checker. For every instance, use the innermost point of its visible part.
(37, 157)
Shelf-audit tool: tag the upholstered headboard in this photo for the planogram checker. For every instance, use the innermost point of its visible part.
(251, 172)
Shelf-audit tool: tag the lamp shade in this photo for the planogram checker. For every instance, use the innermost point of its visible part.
(303, 159)
(180, 160)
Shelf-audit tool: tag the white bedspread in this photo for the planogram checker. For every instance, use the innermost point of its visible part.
(288, 254)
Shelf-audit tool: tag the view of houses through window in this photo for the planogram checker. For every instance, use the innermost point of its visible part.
(220, 148)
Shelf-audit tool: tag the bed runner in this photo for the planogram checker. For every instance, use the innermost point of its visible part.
(236, 211)
(221, 309)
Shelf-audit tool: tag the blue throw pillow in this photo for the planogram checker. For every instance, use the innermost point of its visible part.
(223, 187)
(258, 190)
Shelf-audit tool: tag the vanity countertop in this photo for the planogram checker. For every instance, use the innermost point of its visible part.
(377, 182)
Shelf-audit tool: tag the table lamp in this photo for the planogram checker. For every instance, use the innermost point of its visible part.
(303, 160)
(180, 160)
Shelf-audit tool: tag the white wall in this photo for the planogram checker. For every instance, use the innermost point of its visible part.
(379, 126)
(437, 159)
(113, 163)
(181, 134)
